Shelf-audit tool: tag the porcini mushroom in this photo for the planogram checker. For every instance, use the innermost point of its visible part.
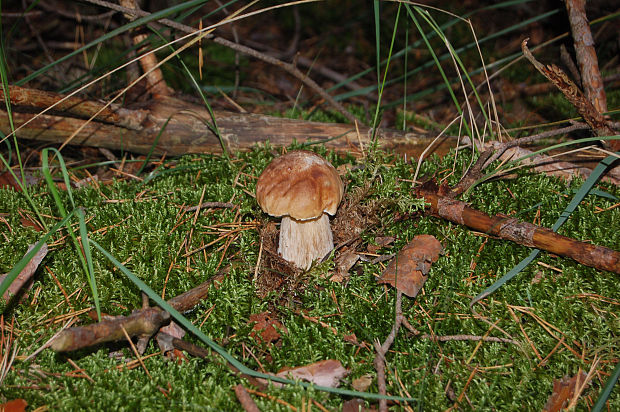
(302, 187)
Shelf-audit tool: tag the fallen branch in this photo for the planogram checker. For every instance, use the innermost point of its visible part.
(176, 127)
(245, 399)
(523, 233)
(142, 323)
(541, 163)
(550, 165)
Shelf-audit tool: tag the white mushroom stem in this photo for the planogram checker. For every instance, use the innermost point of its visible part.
(303, 241)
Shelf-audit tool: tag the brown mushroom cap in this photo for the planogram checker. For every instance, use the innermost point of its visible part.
(300, 184)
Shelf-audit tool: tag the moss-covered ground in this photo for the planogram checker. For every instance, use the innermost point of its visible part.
(564, 315)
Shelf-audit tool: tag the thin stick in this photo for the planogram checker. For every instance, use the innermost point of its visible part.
(379, 361)
(245, 399)
(135, 351)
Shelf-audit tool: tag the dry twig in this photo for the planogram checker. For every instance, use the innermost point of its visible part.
(143, 323)
(523, 233)
(245, 399)
(586, 109)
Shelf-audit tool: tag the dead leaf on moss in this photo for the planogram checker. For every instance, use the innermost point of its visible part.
(362, 383)
(16, 405)
(164, 341)
(25, 276)
(344, 262)
(356, 405)
(380, 242)
(174, 330)
(407, 271)
(324, 373)
(7, 181)
(27, 222)
(563, 392)
(351, 339)
(266, 327)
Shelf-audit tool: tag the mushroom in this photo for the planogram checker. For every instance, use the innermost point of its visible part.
(302, 187)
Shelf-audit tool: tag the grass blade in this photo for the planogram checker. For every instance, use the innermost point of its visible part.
(86, 266)
(609, 386)
(89, 260)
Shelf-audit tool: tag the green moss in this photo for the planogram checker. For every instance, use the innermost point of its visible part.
(141, 226)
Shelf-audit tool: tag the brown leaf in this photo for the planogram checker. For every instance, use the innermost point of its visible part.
(381, 241)
(16, 405)
(344, 262)
(28, 221)
(26, 274)
(362, 383)
(356, 405)
(563, 391)
(323, 373)
(266, 327)
(7, 181)
(174, 330)
(351, 339)
(407, 271)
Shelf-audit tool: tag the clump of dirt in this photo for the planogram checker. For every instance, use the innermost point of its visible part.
(275, 273)
(356, 213)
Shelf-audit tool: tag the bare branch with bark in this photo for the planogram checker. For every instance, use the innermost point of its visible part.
(523, 233)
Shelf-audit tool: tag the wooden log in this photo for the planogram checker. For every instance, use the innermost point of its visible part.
(187, 127)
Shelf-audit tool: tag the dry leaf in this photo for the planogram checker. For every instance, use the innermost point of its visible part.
(266, 328)
(362, 383)
(323, 373)
(407, 271)
(351, 339)
(27, 222)
(344, 262)
(381, 242)
(174, 330)
(26, 274)
(7, 181)
(16, 405)
(563, 392)
(356, 405)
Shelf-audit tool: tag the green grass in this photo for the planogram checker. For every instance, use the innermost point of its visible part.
(141, 232)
